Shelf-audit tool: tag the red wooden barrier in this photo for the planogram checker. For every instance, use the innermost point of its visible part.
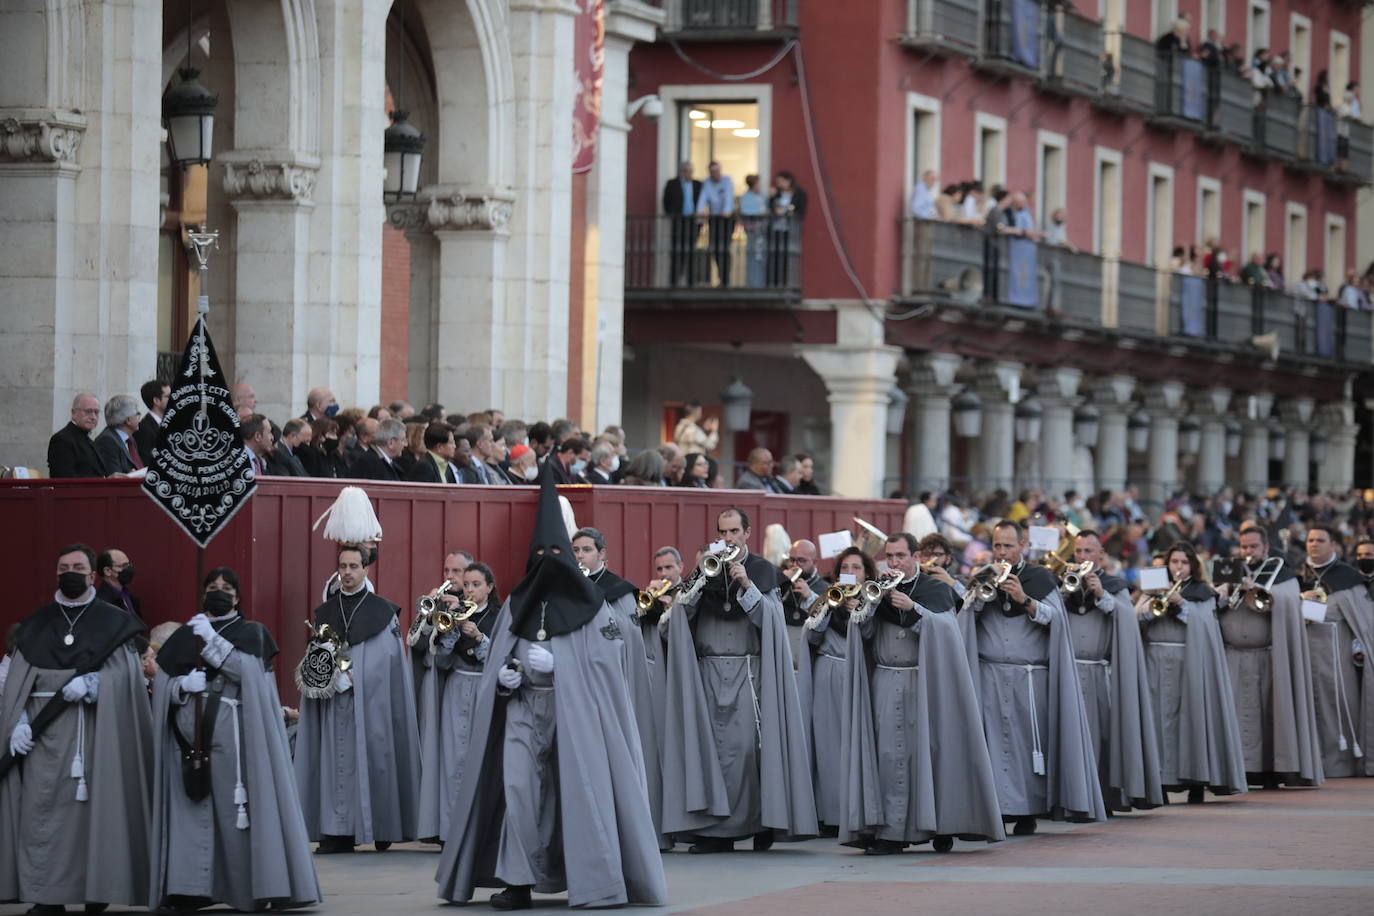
(283, 564)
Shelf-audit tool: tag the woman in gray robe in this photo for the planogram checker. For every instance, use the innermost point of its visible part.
(237, 837)
(448, 692)
(74, 790)
(1195, 713)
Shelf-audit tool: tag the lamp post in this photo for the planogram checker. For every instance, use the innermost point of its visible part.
(402, 149)
(737, 401)
(1085, 425)
(1189, 436)
(896, 410)
(1027, 421)
(1138, 431)
(967, 408)
(188, 113)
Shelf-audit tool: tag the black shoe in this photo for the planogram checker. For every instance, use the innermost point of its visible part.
(1195, 795)
(382, 845)
(709, 844)
(763, 840)
(830, 830)
(885, 848)
(942, 843)
(1025, 826)
(512, 898)
(46, 909)
(334, 844)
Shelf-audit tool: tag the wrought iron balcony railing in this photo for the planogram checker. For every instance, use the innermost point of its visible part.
(713, 257)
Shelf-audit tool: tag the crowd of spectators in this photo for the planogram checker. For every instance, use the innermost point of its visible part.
(996, 209)
(1266, 271)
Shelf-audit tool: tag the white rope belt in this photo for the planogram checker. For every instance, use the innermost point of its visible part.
(78, 770)
(240, 790)
(1342, 701)
(466, 673)
(899, 667)
(838, 658)
(1175, 645)
(1037, 754)
(44, 695)
(1092, 661)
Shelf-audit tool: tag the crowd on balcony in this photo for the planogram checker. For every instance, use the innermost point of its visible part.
(995, 209)
(1266, 271)
(398, 443)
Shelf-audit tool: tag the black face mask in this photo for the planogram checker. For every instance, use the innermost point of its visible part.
(1366, 565)
(331, 445)
(218, 603)
(72, 584)
(126, 575)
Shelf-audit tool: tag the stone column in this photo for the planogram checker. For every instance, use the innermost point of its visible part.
(1057, 392)
(272, 199)
(1112, 395)
(1337, 420)
(1296, 414)
(1163, 402)
(858, 379)
(1210, 408)
(996, 384)
(1255, 449)
(930, 387)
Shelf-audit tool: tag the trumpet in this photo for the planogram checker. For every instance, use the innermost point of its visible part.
(1159, 604)
(714, 564)
(1074, 576)
(986, 581)
(428, 604)
(876, 590)
(647, 598)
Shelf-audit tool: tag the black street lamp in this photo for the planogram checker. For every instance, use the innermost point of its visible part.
(402, 148)
(188, 113)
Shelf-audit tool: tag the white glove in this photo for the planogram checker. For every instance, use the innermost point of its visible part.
(200, 625)
(540, 659)
(342, 682)
(21, 739)
(192, 683)
(508, 677)
(81, 688)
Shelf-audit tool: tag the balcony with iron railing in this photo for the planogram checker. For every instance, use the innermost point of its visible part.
(712, 259)
(729, 20)
(965, 267)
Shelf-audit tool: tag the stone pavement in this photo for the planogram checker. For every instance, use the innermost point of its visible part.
(1287, 853)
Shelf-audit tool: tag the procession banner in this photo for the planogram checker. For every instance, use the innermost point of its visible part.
(589, 64)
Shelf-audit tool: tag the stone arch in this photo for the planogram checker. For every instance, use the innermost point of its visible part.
(276, 75)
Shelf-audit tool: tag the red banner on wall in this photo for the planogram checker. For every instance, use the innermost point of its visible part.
(589, 60)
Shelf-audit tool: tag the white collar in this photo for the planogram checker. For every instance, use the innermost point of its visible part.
(360, 589)
(1323, 565)
(86, 598)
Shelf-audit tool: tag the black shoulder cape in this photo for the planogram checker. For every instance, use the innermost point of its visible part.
(763, 574)
(1338, 577)
(1111, 584)
(101, 629)
(1037, 581)
(612, 586)
(1198, 591)
(181, 652)
(374, 615)
(927, 591)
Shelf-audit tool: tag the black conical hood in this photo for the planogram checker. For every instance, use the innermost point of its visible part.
(554, 595)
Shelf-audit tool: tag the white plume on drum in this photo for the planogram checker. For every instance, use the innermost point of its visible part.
(351, 518)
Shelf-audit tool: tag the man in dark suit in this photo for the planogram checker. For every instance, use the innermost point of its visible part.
(681, 199)
(283, 461)
(601, 466)
(115, 444)
(437, 465)
(70, 451)
(379, 461)
(155, 395)
(759, 474)
(570, 460)
(116, 572)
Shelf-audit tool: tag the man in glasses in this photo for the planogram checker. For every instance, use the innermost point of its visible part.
(71, 453)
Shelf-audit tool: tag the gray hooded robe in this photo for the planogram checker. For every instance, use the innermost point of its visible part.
(1343, 692)
(556, 759)
(913, 763)
(732, 768)
(358, 752)
(1271, 682)
(198, 848)
(1110, 660)
(1195, 713)
(1033, 716)
(55, 849)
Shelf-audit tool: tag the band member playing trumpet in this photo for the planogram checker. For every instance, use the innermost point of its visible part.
(1195, 714)
(455, 660)
(1019, 641)
(1110, 661)
(1270, 668)
(731, 683)
(1342, 676)
(801, 592)
(826, 631)
(215, 695)
(915, 735)
(358, 746)
(936, 557)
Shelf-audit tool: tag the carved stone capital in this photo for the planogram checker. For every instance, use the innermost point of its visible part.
(41, 136)
(250, 176)
(447, 208)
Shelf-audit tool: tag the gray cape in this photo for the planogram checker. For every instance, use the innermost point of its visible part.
(610, 848)
(1350, 608)
(1131, 767)
(645, 699)
(1272, 687)
(270, 859)
(951, 788)
(99, 855)
(1073, 789)
(1201, 745)
(694, 792)
(385, 745)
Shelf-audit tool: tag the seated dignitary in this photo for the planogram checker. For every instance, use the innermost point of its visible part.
(357, 745)
(74, 780)
(227, 825)
(1190, 686)
(552, 796)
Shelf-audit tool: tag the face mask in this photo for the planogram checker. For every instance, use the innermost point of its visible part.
(1366, 565)
(72, 584)
(218, 603)
(331, 410)
(331, 446)
(126, 575)
(578, 467)
(531, 473)
(615, 464)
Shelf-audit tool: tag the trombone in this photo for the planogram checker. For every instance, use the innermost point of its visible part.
(1159, 604)
(648, 597)
(1260, 597)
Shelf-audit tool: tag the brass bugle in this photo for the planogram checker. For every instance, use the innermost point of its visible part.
(874, 590)
(1074, 576)
(713, 564)
(646, 599)
(836, 595)
(986, 581)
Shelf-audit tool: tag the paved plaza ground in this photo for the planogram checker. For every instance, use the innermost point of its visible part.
(1287, 853)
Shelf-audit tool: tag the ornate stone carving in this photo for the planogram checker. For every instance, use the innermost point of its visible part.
(30, 135)
(256, 178)
(448, 208)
